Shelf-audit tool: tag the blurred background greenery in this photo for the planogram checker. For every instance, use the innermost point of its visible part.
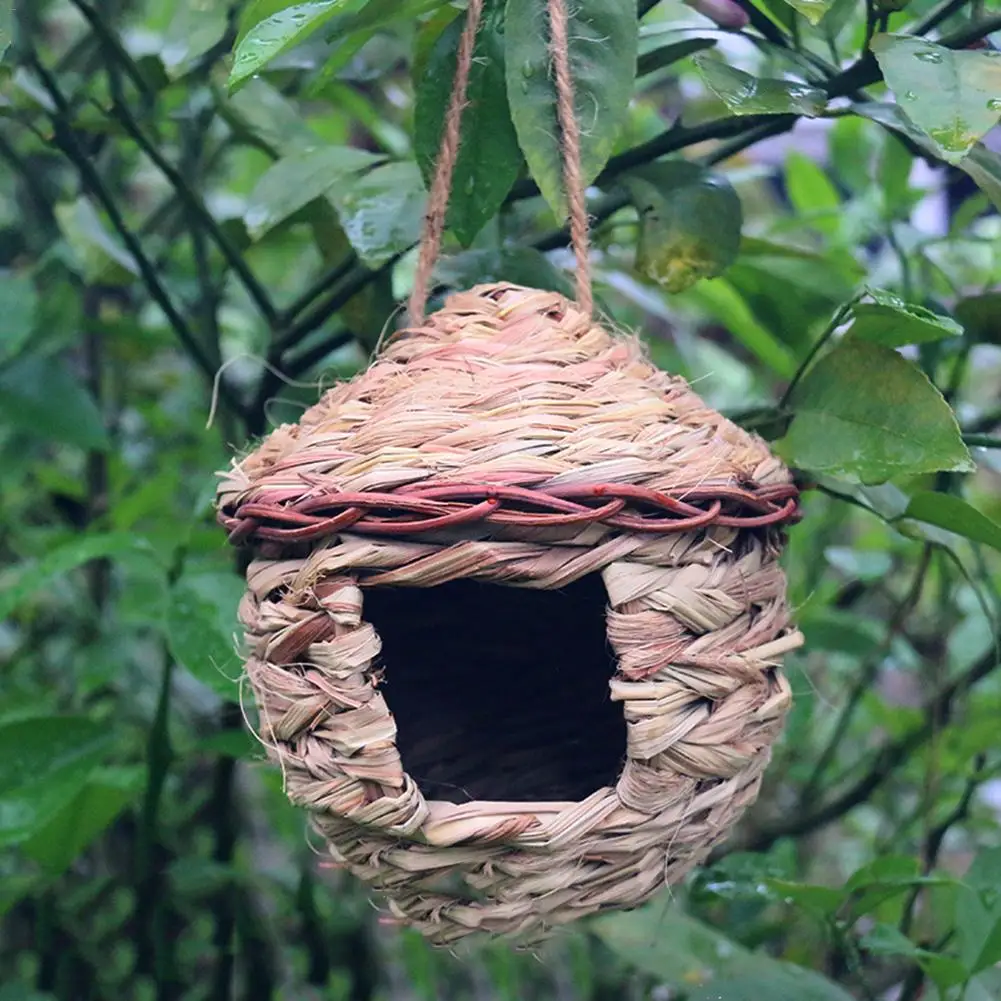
(185, 263)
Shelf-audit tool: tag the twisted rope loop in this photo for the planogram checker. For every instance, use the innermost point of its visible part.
(448, 154)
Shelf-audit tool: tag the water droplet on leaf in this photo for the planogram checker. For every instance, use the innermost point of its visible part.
(928, 56)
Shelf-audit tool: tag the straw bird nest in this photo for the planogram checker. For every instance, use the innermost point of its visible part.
(514, 617)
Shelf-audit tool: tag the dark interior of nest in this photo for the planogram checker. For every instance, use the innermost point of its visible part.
(500, 693)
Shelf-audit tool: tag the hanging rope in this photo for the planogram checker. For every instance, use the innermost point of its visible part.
(573, 181)
(448, 153)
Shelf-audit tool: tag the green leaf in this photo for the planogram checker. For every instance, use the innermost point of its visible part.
(978, 912)
(981, 163)
(984, 166)
(980, 315)
(603, 41)
(789, 983)
(812, 10)
(382, 212)
(954, 515)
(18, 307)
(865, 414)
(99, 255)
(685, 953)
(521, 265)
(660, 51)
(40, 397)
(43, 762)
(489, 156)
(193, 30)
(6, 25)
(202, 629)
(34, 577)
(83, 817)
(813, 195)
(954, 97)
(890, 321)
(276, 34)
(722, 301)
(841, 631)
(690, 223)
(744, 94)
(297, 179)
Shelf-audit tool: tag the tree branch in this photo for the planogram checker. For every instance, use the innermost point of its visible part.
(890, 757)
(67, 142)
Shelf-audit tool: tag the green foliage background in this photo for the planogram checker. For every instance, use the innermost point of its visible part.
(208, 212)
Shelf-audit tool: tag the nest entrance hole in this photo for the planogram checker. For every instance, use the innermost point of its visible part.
(500, 693)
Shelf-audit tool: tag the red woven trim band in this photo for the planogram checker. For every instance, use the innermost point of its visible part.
(415, 509)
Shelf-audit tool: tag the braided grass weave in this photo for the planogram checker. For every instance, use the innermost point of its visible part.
(511, 440)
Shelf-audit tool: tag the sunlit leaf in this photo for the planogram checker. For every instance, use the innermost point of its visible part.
(297, 179)
(744, 94)
(489, 156)
(40, 397)
(888, 320)
(954, 97)
(382, 212)
(690, 222)
(276, 34)
(954, 515)
(865, 414)
(603, 42)
(42, 765)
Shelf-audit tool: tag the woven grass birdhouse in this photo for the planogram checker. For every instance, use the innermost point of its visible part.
(514, 614)
(515, 617)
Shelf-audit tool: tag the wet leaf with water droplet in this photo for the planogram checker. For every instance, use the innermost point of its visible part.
(950, 96)
(744, 94)
(381, 212)
(276, 34)
(888, 320)
(864, 413)
(603, 40)
(690, 223)
(489, 156)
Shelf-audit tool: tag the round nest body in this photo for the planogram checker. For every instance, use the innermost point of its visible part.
(510, 758)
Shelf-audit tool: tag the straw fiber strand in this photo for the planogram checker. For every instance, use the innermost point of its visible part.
(510, 440)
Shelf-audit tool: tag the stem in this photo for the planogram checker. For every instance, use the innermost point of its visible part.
(763, 24)
(982, 441)
(839, 317)
(159, 757)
